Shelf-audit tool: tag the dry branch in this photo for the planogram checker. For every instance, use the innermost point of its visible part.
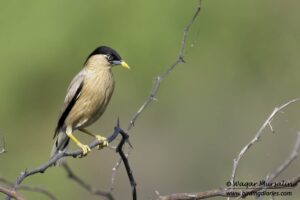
(55, 158)
(294, 154)
(267, 123)
(11, 193)
(158, 81)
(234, 192)
(160, 78)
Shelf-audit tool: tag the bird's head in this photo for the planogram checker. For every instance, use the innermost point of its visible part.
(105, 56)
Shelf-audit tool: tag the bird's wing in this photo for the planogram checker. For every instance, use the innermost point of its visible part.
(73, 94)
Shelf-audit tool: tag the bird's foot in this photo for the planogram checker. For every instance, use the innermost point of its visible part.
(103, 141)
(85, 149)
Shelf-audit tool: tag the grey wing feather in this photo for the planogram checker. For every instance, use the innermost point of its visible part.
(73, 94)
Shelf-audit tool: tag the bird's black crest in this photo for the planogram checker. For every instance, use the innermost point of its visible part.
(107, 51)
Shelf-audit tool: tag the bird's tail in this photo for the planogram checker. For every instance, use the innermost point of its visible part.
(60, 144)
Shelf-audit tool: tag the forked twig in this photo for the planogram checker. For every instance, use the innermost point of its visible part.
(267, 123)
(126, 163)
(294, 154)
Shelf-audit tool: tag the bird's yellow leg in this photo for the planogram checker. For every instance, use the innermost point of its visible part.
(85, 148)
(103, 140)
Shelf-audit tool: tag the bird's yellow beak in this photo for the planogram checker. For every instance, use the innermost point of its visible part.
(124, 64)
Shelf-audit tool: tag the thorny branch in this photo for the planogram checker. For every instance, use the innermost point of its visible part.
(60, 155)
(267, 123)
(160, 78)
(55, 158)
(234, 192)
(158, 81)
(95, 191)
(294, 154)
(126, 163)
(287, 162)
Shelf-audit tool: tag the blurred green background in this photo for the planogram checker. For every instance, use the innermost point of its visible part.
(242, 61)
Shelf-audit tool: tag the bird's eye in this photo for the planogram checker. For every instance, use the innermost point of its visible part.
(109, 57)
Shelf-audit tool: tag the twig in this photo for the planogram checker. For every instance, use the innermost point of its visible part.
(285, 164)
(224, 192)
(55, 158)
(234, 192)
(157, 83)
(115, 169)
(294, 154)
(85, 185)
(258, 135)
(126, 163)
(160, 78)
(11, 193)
(30, 188)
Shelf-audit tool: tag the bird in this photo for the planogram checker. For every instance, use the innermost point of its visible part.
(87, 98)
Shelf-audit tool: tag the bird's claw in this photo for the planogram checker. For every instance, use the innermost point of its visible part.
(85, 149)
(103, 141)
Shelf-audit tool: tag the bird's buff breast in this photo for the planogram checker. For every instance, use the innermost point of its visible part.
(93, 100)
